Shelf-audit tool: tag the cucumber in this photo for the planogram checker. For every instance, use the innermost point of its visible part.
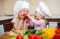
(33, 31)
(30, 31)
(39, 33)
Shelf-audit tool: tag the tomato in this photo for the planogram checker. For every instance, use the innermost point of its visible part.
(31, 36)
(57, 31)
(56, 36)
(19, 37)
(40, 37)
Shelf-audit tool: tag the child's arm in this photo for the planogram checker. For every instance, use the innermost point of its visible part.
(40, 23)
(25, 25)
(15, 24)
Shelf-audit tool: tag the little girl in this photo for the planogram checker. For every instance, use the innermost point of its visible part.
(40, 12)
(20, 21)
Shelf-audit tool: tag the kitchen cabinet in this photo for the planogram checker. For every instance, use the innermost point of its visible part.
(7, 24)
(54, 20)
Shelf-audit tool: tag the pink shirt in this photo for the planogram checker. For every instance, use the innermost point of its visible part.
(31, 23)
(38, 22)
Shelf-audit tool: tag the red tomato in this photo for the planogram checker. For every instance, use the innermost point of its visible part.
(31, 36)
(19, 37)
(57, 31)
(56, 36)
(40, 37)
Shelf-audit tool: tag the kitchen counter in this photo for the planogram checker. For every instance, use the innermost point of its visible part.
(5, 17)
(54, 17)
(11, 17)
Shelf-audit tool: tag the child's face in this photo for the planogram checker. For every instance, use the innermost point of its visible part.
(37, 15)
(23, 12)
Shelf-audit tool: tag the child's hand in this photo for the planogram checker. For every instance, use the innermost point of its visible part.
(21, 15)
(28, 15)
(25, 25)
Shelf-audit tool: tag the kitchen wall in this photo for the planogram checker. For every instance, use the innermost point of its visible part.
(6, 6)
(54, 5)
(1, 6)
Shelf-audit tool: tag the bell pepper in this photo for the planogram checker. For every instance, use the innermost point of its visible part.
(57, 34)
(49, 32)
(57, 30)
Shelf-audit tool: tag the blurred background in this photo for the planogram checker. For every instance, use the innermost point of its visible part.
(6, 6)
(6, 13)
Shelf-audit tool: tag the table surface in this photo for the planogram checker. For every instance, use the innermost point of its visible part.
(4, 36)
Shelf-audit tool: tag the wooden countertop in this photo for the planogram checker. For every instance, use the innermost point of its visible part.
(4, 36)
